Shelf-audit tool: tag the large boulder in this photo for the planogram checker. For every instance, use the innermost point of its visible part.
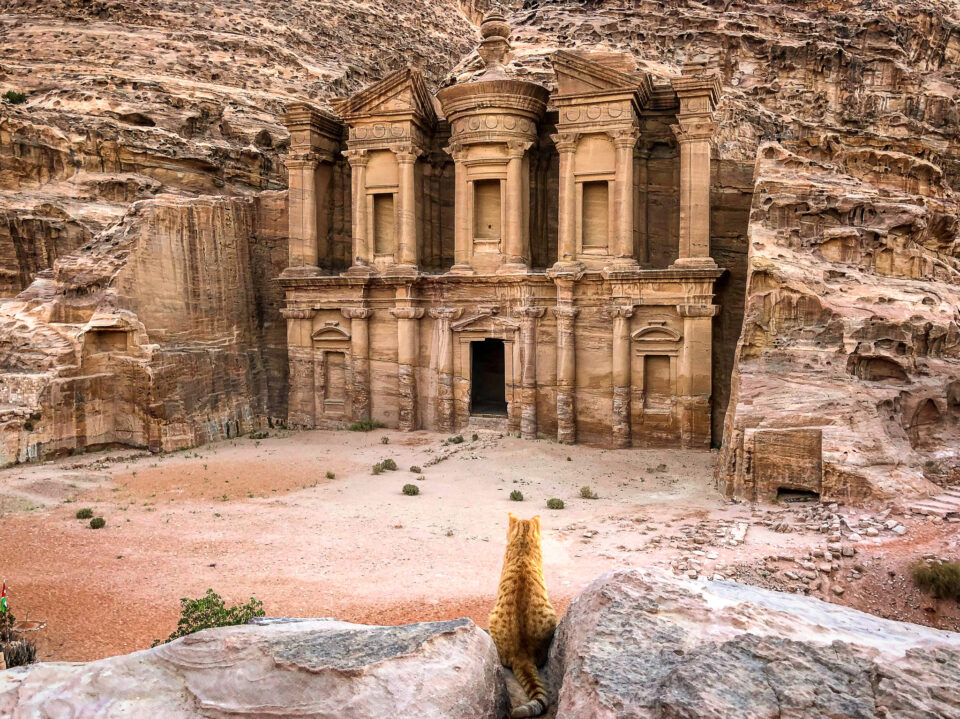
(322, 669)
(642, 645)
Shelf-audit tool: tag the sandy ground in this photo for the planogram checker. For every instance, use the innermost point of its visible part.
(260, 517)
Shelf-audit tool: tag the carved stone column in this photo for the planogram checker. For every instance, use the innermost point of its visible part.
(445, 408)
(621, 375)
(515, 251)
(528, 369)
(359, 359)
(301, 403)
(362, 263)
(302, 216)
(694, 378)
(643, 239)
(407, 360)
(462, 240)
(566, 144)
(624, 141)
(566, 373)
(407, 250)
(698, 93)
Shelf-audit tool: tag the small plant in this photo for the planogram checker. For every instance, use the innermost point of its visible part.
(474, 437)
(366, 425)
(554, 503)
(378, 468)
(411, 490)
(14, 97)
(458, 439)
(258, 435)
(587, 493)
(941, 579)
(516, 495)
(331, 475)
(210, 611)
(16, 650)
(661, 467)
(98, 523)
(85, 513)
(415, 469)
(389, 464)
(384, 440)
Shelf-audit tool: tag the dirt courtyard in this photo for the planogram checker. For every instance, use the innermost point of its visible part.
(261, 517)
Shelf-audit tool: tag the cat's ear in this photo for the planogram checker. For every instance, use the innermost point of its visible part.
(513, 519)
(536, 522)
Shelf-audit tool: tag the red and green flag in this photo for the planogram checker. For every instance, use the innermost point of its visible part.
(3, 599)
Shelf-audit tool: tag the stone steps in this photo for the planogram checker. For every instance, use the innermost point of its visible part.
(942, 505)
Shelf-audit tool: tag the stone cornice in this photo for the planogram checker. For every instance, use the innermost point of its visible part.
(303, 116)
(697, 310)
(297, 313)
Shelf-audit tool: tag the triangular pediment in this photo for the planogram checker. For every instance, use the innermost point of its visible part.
(578, 75)
(485, 323)
(403, 91)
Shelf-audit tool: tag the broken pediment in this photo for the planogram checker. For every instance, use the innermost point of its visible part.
(485, 323)
(400, 93)
(577, 74)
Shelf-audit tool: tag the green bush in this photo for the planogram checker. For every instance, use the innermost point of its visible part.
(411, 490)
(384, 440)
(258, 435)
(98, 523)
(457, 439)
(389, 464)
(474, 436)
(554, 503)
(14, 97)
(587, 493)
(331, 475)
(415, 469)
(378, 468)
(516, 495)
(366, 425)
(210, 611)
(16, 650)
(85, 513)
(941, 579)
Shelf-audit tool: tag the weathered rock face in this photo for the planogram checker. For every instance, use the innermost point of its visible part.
(634, 644)
(638, 645)
(305, 668)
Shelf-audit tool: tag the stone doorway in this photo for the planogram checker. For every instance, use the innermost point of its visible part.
(487, 378)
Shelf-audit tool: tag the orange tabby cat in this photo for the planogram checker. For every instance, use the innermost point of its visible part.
(522, 621)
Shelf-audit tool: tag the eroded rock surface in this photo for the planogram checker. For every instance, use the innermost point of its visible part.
(303, 668)
(637, 645)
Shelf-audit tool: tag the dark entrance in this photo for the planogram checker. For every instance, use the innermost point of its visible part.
(487, 393)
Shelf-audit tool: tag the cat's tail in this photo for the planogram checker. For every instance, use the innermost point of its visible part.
(528, 676)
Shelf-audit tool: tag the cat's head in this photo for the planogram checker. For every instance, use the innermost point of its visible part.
(524, 529)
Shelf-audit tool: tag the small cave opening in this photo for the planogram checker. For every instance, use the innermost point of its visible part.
(794, 496)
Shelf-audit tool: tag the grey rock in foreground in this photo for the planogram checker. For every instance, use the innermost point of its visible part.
(640, 645)
(312, 668)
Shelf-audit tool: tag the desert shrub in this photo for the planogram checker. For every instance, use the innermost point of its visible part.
(258, 435)
(98, 523)
(587, 493)
(16, 650)
(941, 579)
(378, 468)
(474, 436)
(516, 495)
(411, 489)
(554, 503)
(210, 611)
(14, 97)
(85, 513)
(661, 467)
(384, 440)
(331, 475)
(415, 469)
(366, 425)
(457, 439)
(389, 464)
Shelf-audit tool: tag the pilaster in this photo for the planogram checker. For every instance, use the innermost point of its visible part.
(695, 374)
(301, 403)
(408, 240)
(566, 373)
(624, 142)
(362, 262)
(445, 405)
(528, 369)
(620, 374)
(407, 360)
(566, 144)
(359, 359)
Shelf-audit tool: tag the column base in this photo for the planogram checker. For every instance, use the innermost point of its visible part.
(360, 271)
(301, 271)
(566, 267)
(513, 268)
(400, 271)
(698, 263)
(461, 270)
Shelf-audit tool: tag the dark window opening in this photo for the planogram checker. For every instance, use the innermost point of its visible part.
(487, 378)
(786, 494)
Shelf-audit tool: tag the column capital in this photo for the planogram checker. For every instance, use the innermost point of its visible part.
(625, 137)
(407, 313)
(622, 311)
(697, 310)
(445, 313)
(693, 129)
(406, 152)
(356, 313)
(297, 313)
(357, 158)
(566, 312)
(456, 150)
(530, 313)
(565, 141)
(517, 148)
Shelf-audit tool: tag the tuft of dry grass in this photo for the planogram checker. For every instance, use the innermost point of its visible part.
(941, 579)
